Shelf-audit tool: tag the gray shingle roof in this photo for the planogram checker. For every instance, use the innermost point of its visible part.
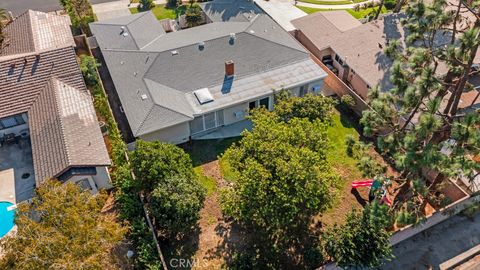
(193, 68)
(166, 80)
(46, 83)
(129, 32)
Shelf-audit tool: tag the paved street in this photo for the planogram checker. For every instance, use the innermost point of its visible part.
(20, 6)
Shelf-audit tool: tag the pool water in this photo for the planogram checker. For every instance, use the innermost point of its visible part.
(6, 218)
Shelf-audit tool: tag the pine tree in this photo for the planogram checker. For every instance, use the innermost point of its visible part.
(420, 116)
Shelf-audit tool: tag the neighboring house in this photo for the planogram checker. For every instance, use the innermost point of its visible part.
(355, 51)
(179, 85)
(44, 102)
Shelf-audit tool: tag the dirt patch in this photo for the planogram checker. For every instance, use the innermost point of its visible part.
(216, 235)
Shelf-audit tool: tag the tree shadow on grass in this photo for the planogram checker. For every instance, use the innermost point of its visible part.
(247, 247)
(205, 151)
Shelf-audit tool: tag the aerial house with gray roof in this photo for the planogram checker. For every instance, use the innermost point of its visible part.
(181, 85)
(48, 125)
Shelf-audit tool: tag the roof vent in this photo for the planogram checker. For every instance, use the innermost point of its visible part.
(232, 38)
(251, 31)
(143, 96)
(201, 45)
(203, 96)
(175, 52)
(124, 31)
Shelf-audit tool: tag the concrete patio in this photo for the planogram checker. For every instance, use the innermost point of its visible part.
(17, 180)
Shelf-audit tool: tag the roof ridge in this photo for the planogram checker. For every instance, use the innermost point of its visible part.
(57, 109)
(246, 32)
(150, 112)
(144, 119)
(170, 88)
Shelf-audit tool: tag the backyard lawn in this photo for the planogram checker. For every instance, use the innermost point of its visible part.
(357, 14)
(162, 12)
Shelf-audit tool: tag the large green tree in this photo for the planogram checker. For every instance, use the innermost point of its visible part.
(419, 123)
(80, 12)
(363, 240)
(283, 181)
(64, 228)
(174, 195)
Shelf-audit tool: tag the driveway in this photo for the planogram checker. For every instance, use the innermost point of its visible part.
(282, 11)
(17, 7)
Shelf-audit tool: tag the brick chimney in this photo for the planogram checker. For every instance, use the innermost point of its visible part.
(229, 68)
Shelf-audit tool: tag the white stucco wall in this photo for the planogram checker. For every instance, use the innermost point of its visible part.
(229, 113)
(175, 134)
(99, 181)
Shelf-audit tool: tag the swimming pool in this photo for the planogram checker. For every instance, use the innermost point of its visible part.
(6, 218)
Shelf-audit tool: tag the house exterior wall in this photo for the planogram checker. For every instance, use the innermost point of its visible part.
(175, 134)
(99, 181)
(181, 133)
(229, 113)
(358, 84)
(354, 81)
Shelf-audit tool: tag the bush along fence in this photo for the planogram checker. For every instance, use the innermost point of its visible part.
(148, 254)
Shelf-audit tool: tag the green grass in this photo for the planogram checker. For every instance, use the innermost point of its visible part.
(337, 134)
(207, 182)
(226, 170)
(162, 12)
(357, 14)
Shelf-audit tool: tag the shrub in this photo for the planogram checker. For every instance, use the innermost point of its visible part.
(88, 66)
(348, 100)
(146, 5)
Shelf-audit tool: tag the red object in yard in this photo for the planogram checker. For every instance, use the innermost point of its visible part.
(386, 200)
(363, 183)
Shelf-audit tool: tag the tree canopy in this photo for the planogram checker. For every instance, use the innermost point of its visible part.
(64, 228)
(174, 196)
(283, 180)
(363, 240)
(80, 12)
(419, 124)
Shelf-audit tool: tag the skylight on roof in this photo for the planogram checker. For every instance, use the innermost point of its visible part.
(203, 95)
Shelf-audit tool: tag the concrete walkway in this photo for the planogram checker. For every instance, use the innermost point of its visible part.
(346, 6)
(282, 11)
(114, 9)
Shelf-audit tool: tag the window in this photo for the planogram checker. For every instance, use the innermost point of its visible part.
(209, 120)
(252, 105)
(303, 90)
(264, 102)
(11, 121)
(206, 122)
(84, 184)
(338, 59)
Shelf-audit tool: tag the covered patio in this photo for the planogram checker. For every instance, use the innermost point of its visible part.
(17, 179)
